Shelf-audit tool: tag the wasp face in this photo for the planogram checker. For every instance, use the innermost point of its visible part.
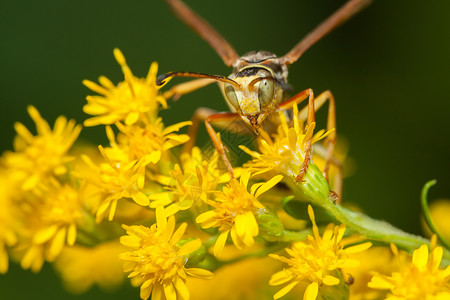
(257, 95)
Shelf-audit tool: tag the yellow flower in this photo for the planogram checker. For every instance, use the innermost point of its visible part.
(421, 280)
(234, 212)
(156, 262)
(117, 180)
(316, 261)
(194, 180)
(152, 140)
(8, 218)
(50, 216)
(372, 261)
(37, 158)
(285, 152)
(81, 267)
(131, 101)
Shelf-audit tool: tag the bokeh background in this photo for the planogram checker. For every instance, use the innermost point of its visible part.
(389, 69)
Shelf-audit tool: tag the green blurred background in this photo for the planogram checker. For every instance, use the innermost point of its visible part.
(389, 69)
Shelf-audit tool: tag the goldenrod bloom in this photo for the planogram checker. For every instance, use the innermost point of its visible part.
(156, 262)
(316, 261)
(421, 280)
(82, 267)
(151, 140)
(234, 212)
(376, 260)
(133, 100)
(117, 180)
(8, 218)
(49, 217)
(285, 152)
(37, 158)
(192, 181)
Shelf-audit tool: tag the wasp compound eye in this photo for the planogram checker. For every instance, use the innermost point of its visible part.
(266, 91)
(230, 93)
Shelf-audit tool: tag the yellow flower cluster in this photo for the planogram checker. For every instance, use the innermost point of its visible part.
(316, 261)
(41, 204)
(171, 218)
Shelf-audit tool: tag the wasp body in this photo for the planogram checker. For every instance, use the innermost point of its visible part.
(256, 87)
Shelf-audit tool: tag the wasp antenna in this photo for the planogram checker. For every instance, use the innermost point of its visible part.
(337, 18)
(209, 34)
(161, 78)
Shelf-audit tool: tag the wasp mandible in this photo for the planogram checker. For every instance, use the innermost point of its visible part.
(258, 84)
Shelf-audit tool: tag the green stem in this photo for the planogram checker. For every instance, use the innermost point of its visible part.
(372, 229)
(426, 213)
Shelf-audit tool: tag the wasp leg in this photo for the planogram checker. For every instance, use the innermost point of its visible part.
(296, 99)
(186, 87)
(216, 139)
(211, 116)
(321, 151)
(330, 141)
(200, 115)
(307, 113)
(331, 124)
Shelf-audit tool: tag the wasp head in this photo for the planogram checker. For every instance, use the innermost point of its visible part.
(255, 96)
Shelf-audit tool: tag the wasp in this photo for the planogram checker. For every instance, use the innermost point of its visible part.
(258, 85)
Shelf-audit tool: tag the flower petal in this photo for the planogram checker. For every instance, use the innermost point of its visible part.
(311, 291)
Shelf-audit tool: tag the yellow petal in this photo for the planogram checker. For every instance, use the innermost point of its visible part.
(220, 243)
(189, 247)
(178, 233)
(436, 257)
(245, 176)
(330, 280)
(175, 127)
(311, 291)
(420, 256)
(140, 199)
(131, 118)
(45, 234)
(95, 87)
(268, 185)
(285, 290)
(56, 244)
(380, 282)
(146, 291)
(205, 216)
(200, 273)
(358, 248)
(112, 210)
(169, 228)
(161, 219)
(181, 288)
(72, 234)
(169, 291)
(130, 241)
(280, 278)
(155, 156)
(101, 211)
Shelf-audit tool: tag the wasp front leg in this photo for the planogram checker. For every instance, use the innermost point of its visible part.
(216, 139)
(308, 114)
(296, 99)
(331, 126)
(201, 114)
